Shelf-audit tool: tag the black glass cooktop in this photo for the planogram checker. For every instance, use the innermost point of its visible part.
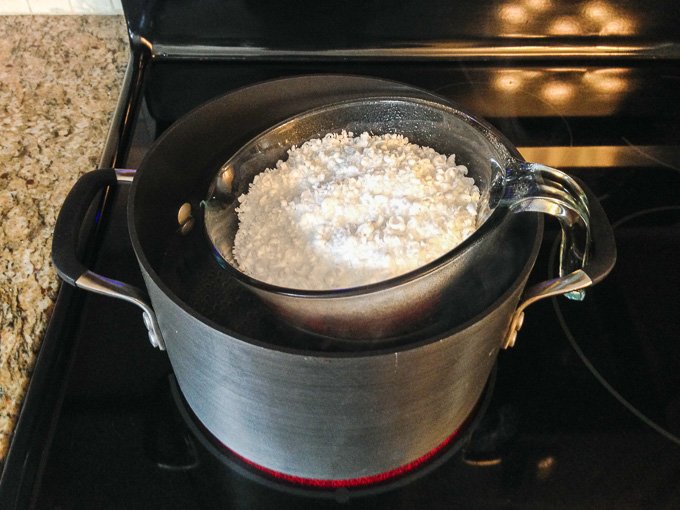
(585, 410)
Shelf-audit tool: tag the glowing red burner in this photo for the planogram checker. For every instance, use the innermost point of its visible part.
(349, 482)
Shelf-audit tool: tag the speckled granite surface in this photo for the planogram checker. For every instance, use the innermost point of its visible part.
(59, 82)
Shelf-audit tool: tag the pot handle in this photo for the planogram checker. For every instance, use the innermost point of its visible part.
(587, 247)
(65, 242)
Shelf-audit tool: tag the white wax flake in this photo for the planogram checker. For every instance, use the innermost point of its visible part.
(344, 211)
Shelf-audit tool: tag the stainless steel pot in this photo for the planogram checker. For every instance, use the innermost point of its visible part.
(282, 403)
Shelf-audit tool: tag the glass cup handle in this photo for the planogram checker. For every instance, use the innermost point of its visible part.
(587, 247)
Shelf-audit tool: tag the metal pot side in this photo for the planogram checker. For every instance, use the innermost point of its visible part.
(326, 416)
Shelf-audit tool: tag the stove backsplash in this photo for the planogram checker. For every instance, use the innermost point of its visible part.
(464, 27)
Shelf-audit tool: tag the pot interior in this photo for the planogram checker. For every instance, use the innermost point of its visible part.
(179, 169)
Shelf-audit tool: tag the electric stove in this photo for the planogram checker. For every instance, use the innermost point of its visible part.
(584, 412)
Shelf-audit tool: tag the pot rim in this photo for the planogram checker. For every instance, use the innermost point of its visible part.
(496, 217)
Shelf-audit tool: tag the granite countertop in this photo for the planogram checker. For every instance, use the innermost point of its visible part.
(60, 77)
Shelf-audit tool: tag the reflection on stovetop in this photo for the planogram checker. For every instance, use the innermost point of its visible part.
(553, 435)
(575, 116)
